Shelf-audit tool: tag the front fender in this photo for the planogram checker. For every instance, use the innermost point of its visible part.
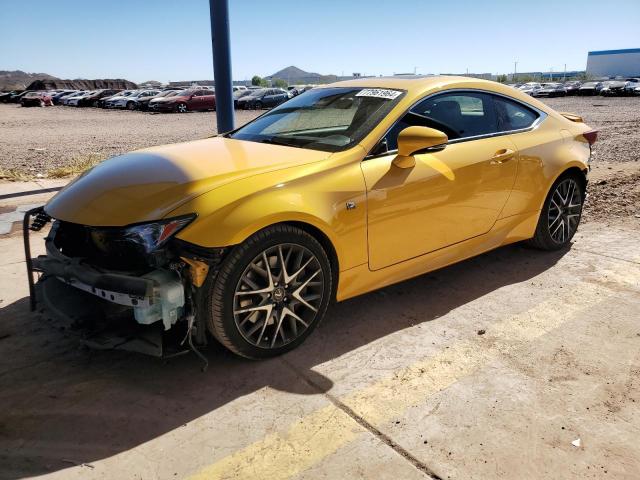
(230, 214)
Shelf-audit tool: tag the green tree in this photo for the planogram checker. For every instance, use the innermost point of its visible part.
(256, 80)
(280, 83)
(502, 78)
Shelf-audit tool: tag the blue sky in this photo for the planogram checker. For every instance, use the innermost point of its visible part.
(168, 40)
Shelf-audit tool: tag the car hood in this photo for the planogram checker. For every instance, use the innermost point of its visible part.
(148, 184)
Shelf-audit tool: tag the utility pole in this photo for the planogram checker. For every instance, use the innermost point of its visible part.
(219, 12)
(515, 71)
(564, 77)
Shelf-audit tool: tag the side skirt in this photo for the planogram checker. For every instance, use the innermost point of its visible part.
(361, 279)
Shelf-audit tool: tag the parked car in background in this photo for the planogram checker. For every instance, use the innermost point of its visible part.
(73, 101)
(142, 103)
(530, 88)
(17, 96)
(613, 88)
(36, 99)
(238, 94)
(187, 100)
(550, 90)
(58, 96)
(91, 99)
(589, 88)
(263, 98)
(239, 88)
(154, 101)
(70, 98)
(632, 84)
(6, 97)
(130, 102)
(572, 87)
(109, 102)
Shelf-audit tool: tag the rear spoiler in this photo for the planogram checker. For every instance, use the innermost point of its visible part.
(572, 117)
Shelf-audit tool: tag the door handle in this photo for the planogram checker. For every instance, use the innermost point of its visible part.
(502, 155)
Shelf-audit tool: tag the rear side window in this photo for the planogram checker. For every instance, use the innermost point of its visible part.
(513, 115)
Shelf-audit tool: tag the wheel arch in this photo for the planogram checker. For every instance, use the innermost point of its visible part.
(327, 245)
(576, 169)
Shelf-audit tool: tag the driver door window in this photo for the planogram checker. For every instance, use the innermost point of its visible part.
(460, 115)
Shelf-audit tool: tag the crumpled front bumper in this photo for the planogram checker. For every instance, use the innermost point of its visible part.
(96, 304)
(116, 287)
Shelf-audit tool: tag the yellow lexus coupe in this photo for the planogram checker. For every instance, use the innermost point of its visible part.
(342, 190)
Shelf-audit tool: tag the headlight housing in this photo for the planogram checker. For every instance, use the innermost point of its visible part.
(144, 238)
(151, 236)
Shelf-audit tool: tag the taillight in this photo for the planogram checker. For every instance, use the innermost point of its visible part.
(591, 137)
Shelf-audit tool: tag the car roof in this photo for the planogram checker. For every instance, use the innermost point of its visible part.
(418, 85)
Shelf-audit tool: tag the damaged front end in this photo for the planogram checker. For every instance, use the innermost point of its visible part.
(134, 288)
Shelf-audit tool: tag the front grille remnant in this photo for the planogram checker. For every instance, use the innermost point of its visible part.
(39, 221)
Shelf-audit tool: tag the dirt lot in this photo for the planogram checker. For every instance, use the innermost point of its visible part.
(63, 136)
(38, 140)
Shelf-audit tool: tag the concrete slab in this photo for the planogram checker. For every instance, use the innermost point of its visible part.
(395, 384)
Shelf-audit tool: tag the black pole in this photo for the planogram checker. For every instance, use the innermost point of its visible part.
(219, 10)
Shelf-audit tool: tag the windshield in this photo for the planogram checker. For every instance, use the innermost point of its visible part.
(257, 93)
(328, 119)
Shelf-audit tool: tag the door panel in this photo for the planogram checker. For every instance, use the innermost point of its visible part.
(447, 197)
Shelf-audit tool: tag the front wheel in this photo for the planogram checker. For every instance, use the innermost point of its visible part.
(181, 108)
(258, 105)
(131, 106)
(270, 293)
(561, 213)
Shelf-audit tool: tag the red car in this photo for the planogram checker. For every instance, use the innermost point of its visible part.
(187, 100)
(36, 99)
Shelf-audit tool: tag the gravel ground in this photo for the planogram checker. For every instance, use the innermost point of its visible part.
(37, 141)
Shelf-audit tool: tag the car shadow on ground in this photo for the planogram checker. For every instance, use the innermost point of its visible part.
(63, 405)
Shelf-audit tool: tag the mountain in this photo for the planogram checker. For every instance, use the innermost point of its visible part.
(18, 80)
(294, 75)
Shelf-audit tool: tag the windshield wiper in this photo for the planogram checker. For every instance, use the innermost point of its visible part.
(276, 141)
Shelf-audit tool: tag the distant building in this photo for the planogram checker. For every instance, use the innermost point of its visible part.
(546, 76)
(80, 84)
(614, 63)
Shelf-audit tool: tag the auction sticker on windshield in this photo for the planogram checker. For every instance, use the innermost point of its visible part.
(379, 93)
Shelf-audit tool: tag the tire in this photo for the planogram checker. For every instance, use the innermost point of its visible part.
(258, 105)
(181, 108)
(277, 318)
(561, 213)
(131, 106)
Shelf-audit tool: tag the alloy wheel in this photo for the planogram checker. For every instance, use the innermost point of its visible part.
(182, 108)
(565, 209)
(278, 295)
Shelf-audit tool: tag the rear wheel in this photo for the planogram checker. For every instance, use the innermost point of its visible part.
(561, 213)
(131, 106)
(258, 105)
(270, 293)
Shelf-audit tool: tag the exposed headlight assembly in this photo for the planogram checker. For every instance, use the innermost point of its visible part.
(152, 236)
(143, 237)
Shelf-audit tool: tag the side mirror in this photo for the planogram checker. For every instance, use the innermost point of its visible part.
(412, 140)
